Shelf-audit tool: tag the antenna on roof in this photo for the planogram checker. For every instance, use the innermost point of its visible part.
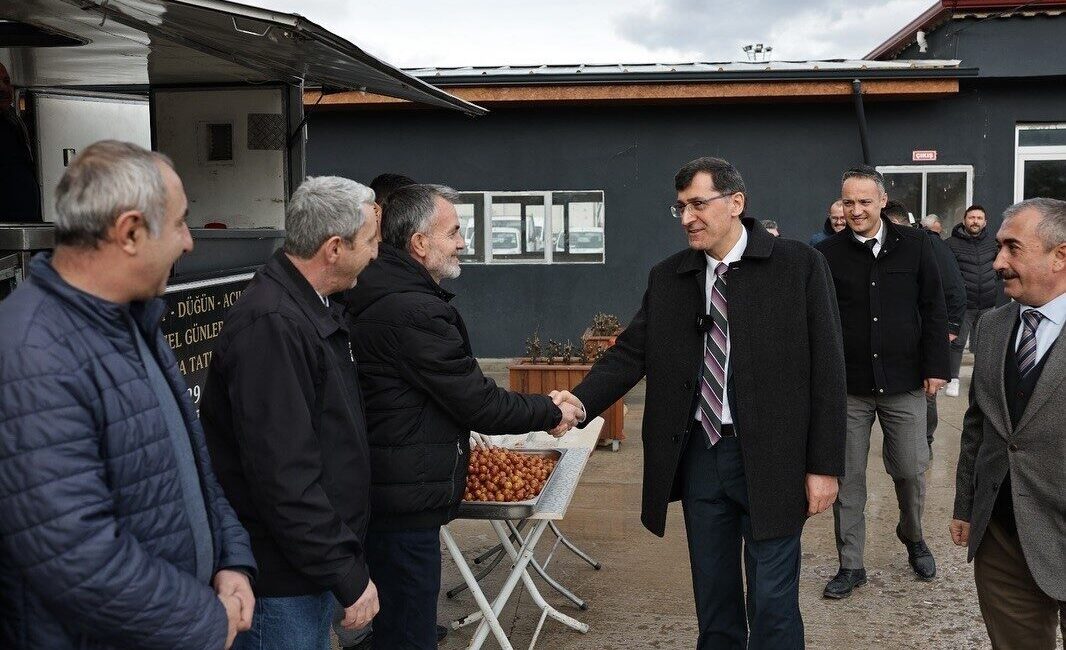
(757, 52)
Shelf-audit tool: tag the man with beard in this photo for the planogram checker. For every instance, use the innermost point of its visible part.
(975, 250)
(424, 394)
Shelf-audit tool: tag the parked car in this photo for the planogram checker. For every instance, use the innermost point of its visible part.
(506, 241)
(584, 241)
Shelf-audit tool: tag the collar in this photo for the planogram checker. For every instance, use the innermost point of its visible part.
(880, 236)
(280, 269)
(758, 244)
(734, 253)
(1053, 310)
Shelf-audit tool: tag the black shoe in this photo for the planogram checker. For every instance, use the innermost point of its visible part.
(920, 557)
(844, 582)
(442, 633)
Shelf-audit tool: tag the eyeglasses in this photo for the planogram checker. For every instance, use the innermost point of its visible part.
(697, 204)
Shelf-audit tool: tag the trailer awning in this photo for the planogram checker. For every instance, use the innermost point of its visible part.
(137, 43)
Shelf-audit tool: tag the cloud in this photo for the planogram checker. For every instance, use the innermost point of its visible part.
(816, 29)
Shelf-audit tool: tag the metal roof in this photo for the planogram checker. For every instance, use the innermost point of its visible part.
(694, 71)
(137, 43)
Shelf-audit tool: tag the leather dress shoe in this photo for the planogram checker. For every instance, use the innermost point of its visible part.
(844, 582)
(442, 633)
(920, 557)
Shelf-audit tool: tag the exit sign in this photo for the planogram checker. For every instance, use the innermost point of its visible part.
(923, 156)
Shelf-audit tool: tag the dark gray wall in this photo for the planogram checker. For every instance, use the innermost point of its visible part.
(1000, 47)
(791, 156)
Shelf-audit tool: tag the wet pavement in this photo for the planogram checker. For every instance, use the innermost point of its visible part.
(642, 597)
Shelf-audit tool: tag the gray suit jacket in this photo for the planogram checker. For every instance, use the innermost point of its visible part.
(1035, 452)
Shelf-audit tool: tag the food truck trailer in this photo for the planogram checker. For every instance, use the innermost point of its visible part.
(217, 86)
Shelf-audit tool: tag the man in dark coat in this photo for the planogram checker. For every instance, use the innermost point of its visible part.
(284, 419)
(20, 194)
(114, 532)
(894, 321)
(834, 223)
(739, 339)
(424, 394)
(975, 250)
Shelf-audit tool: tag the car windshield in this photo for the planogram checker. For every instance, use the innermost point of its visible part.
(586, 239)
(504, 239)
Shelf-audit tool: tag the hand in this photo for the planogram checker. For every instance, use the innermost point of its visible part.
(232, 605)
(932, 385)
(234, 583)
(821, 493)
(362, 611)
(952, 337)
(571, 416)
(560, 396)
(960, 532)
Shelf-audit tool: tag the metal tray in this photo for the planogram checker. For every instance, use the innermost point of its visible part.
(514, 510)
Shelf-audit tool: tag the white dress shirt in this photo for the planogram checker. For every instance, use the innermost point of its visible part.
(880, 237)
(1048, 329)
(734, 255)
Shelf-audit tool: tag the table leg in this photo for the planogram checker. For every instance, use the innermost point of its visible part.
(479, 596)
(566, 593)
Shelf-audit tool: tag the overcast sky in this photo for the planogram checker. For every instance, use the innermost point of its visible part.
(444, 33)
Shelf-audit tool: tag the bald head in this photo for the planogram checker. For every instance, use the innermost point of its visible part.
(7, 93)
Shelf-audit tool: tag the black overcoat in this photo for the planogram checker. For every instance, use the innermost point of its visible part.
(786, 375)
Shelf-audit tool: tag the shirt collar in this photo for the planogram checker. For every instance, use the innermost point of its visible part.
(880, 236)
(734, 253)
(1053, 310)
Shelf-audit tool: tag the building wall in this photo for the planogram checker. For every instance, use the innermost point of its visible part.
(791, 156)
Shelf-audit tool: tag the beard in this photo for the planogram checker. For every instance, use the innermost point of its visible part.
(446, 267)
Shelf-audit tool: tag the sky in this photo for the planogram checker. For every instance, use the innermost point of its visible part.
(449, 33)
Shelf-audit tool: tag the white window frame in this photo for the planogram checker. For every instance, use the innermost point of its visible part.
(547, 234)
(1023, 154)
(924, 170)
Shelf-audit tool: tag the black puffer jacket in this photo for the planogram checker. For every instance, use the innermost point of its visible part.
(975, 254)
(424, 393)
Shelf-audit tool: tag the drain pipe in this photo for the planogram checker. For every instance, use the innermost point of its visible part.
(856, 94)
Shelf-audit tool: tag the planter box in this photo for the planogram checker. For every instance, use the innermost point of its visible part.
(542, 378)
(594, 344)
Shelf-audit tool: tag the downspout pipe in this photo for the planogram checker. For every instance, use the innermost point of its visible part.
(864, 138)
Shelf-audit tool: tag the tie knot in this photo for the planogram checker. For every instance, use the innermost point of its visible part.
(1032, 318)
(721, 269)
(870, 243)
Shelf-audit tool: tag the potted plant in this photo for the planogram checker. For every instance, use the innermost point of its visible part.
(601, 334)
(559, 366)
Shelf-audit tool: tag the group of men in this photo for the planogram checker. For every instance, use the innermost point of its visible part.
(332, 438)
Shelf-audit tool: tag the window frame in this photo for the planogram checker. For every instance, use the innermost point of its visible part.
(925, 170)
(1025, 153)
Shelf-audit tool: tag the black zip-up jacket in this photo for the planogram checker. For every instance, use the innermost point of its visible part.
(424, 393)
(284, 421)
(892, 310)
(975, 255)
(951, 281)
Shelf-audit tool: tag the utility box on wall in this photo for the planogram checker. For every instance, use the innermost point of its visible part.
(229, 145)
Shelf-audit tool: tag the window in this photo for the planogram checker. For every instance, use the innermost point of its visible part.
(540, 227)
(1040, 161)
(943, 190)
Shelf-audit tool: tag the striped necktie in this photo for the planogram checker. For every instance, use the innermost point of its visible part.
(712, 381)
(1027, 346)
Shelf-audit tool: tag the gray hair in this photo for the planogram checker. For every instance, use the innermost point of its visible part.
(724, 176)
(867, 172)
(929, 219)
(1052, 226)
(324, 207)
(108, 178)
(409, 210)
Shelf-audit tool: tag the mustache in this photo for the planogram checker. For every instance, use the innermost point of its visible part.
(1007, 274)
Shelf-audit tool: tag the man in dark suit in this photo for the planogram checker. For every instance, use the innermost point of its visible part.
(895, 328)
(1010, 504)
(739, 339)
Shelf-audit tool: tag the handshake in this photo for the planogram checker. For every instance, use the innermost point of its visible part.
(572, 408)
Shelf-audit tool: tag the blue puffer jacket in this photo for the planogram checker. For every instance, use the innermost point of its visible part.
(95, 547)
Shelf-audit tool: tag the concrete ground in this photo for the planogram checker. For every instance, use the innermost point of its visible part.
(642, 597)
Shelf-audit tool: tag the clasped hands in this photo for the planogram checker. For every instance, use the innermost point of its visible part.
(572, 408)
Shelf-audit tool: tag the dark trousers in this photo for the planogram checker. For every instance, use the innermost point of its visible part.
(931, 418)
(715, 501)
(405, 567)
(966, 327)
